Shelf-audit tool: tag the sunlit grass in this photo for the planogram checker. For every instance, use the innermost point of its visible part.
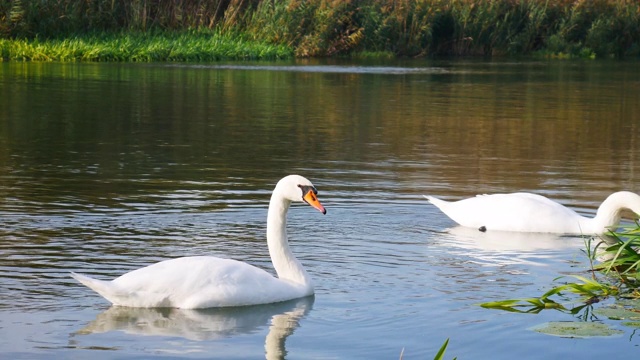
(319, 28)
(624, 259)
(190, 46)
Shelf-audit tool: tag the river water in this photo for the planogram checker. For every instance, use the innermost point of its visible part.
(105, 168)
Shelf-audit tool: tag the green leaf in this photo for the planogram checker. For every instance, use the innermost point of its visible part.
(443, 348)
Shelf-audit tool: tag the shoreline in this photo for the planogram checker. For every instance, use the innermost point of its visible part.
(188, 31)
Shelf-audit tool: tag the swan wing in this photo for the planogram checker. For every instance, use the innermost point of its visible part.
(511, 212)
(194, 282)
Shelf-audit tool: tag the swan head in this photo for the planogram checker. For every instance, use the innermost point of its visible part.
(297, 188)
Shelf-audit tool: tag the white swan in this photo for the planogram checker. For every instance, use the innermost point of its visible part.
(527, 212)
(205, 281)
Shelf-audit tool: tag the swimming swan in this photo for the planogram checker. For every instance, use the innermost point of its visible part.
(205, 281)
(527, 212)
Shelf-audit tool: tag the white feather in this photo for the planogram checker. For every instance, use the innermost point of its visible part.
(527, 212)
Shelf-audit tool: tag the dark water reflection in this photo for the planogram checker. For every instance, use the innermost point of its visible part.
(109, 167)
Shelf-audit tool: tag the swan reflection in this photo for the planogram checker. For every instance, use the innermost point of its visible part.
(508, 246)
(511, 240)
(207, 324)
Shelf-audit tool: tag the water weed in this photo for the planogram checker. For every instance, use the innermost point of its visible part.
(622, 258)
(620, 264)
(589, 291)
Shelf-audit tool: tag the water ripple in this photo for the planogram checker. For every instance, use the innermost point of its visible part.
(387, 70)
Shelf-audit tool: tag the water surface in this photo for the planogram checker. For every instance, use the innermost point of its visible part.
(105, 168)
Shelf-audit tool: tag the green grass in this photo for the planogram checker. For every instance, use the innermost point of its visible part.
(322, 28)
(187, 46)
(623, 258)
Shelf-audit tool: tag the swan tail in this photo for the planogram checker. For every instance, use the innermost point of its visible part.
(435, 201)
(106, 289)
(429, 198)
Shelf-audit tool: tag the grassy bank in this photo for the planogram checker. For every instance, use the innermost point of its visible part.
(185, 46)
(316, 28)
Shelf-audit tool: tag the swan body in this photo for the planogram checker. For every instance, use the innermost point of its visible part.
(526, 212)
(199, 282)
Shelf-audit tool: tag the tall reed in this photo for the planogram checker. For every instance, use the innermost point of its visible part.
(600, 28)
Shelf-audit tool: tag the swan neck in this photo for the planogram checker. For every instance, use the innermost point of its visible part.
(285, 263)
(609, 214)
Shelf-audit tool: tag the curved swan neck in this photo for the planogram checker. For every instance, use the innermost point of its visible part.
(285, 263)
(610, 211)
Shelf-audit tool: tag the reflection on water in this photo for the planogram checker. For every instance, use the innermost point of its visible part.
(508, 247)
(509, 241)
(204, 325)
(385, 70)
(105, 168)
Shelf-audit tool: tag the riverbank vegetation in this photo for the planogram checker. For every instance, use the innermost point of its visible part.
(154, 30)
(195, 46)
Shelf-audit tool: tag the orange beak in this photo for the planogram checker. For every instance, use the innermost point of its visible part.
(312, 200)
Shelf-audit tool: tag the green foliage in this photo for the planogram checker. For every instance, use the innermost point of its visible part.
(325, 28)
(622, 257)
(621, 262)
(443, 349)
(562, 28)
(55, 18)
(598, 28)
(195, 46)
(589, 290)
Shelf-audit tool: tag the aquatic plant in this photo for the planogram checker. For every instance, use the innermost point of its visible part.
(439, 354)
(575, 329)
(622, 258)
(443, 349)
(620, 263)
(589, 291)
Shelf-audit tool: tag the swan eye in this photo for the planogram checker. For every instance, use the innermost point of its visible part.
(309, 196)
(308, 192)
